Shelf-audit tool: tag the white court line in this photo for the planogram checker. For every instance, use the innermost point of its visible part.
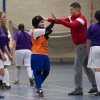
(53, 86)
(20, 96)
(59, 89)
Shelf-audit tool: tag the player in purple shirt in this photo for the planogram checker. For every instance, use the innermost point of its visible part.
(22, 40)
(3, 47)
(2, 42)
(6, 80)
(93, 45)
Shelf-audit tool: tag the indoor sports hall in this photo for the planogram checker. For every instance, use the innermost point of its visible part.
(60, 81)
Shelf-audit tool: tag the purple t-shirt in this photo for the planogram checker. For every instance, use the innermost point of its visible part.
(93, 33)
(2, 40)
(22, 41)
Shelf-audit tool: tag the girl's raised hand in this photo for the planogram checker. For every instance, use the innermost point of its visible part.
(53, 16)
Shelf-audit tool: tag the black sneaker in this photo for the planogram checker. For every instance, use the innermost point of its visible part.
(1, 83)
(8, 87)
(32, 82)
(3, 86)
(76, 93)
(17, 82)
(93, 90)
(2, 97)
(97, 94)
(40, 93)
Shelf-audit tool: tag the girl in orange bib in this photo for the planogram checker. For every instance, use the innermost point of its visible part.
(40, 63)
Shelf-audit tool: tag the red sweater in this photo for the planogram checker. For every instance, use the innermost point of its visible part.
(78, 26)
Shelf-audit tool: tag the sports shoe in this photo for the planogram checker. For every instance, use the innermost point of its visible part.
(1, 83)
(76, 92)
(8, 87)
(40, 93)
(17, 82)
(97, 94)
(93, 90)
(2, 97)
(32, 82)
(3, 86)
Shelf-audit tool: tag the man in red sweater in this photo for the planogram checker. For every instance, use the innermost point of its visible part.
(78, 25)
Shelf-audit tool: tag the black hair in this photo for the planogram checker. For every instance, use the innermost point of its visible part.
(97, 15)
(76, 5)
(5, 30)
(36, 20)
(21, 27)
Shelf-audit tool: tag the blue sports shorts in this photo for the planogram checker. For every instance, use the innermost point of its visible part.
(40, 62)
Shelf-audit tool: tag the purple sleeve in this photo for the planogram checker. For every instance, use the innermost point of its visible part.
(16, 36)
(2, 44)
(89, 32)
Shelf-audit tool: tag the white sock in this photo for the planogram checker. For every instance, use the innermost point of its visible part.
(97, 77)
(29, 71)
(17, 73)
(1, 77)
(6, 77)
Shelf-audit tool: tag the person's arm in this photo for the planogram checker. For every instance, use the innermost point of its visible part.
(38, 32)
(55, 18)
(49, 29)
(89, 36)
(14, 41)
(66, 22)
(7, 52)
(88, 45)
(57, 21)
(13, 45)
(77, 23)
(48, 33)
(10, 42)
(50, 26)
(2, 55)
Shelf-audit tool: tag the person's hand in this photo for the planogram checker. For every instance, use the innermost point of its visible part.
(10, 58)
(2, 55)
(10, 46)
(53, 16)
(4, 58)
(11, 52)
